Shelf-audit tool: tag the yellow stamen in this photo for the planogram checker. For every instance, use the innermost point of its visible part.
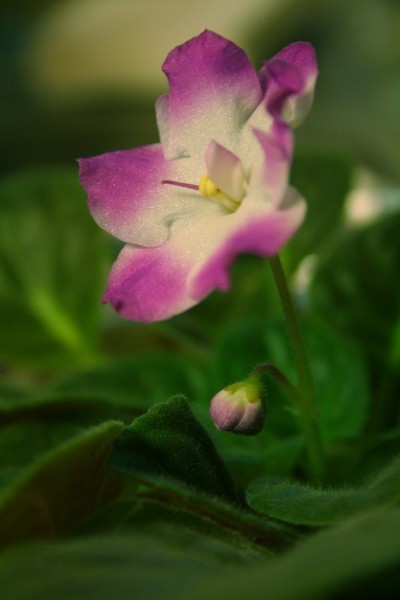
(207, 188)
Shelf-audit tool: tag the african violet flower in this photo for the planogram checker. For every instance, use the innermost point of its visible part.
(239, 408)
(217, 184)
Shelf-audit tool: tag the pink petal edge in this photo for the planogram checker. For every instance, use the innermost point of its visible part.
(213, 89)
(262, 235)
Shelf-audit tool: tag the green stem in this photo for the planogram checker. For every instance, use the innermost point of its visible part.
(287, 387)
(306, 399)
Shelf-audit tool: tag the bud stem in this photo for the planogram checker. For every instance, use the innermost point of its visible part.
(305, 392)
(280, 378)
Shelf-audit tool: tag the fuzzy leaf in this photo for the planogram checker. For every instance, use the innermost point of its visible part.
(61, 488)
(114, 566)
(168, 442)
(359, 559)
(304, 505)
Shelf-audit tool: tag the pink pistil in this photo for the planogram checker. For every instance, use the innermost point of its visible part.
(190, 186)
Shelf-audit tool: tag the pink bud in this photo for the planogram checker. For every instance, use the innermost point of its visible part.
(239, 408)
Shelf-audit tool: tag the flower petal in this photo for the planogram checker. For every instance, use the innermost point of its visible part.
(152, 284)
(262, 234)
(225, 169)
(290, 78)
(148, 284)
(127, 198)
(277, 149)
(213, 90)
(180, 244)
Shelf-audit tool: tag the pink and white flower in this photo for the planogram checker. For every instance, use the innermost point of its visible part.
(216, 185)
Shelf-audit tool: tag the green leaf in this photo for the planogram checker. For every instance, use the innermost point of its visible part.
(168, 442)
(167, 450)
(52, 270)
(115, 566)
(23, 443)
(341, 383)
(343, 559)
(323, 177)
(183, 566)
(358, 287)
(123, 387)
(170, 506)
(61, 488)
(263, 454)
(304, 505)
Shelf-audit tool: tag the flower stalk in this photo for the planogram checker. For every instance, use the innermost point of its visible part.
(305, 397)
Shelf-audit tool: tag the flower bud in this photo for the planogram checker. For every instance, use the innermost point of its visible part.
(239, 408)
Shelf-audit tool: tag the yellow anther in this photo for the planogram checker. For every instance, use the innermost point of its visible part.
(207, 187)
